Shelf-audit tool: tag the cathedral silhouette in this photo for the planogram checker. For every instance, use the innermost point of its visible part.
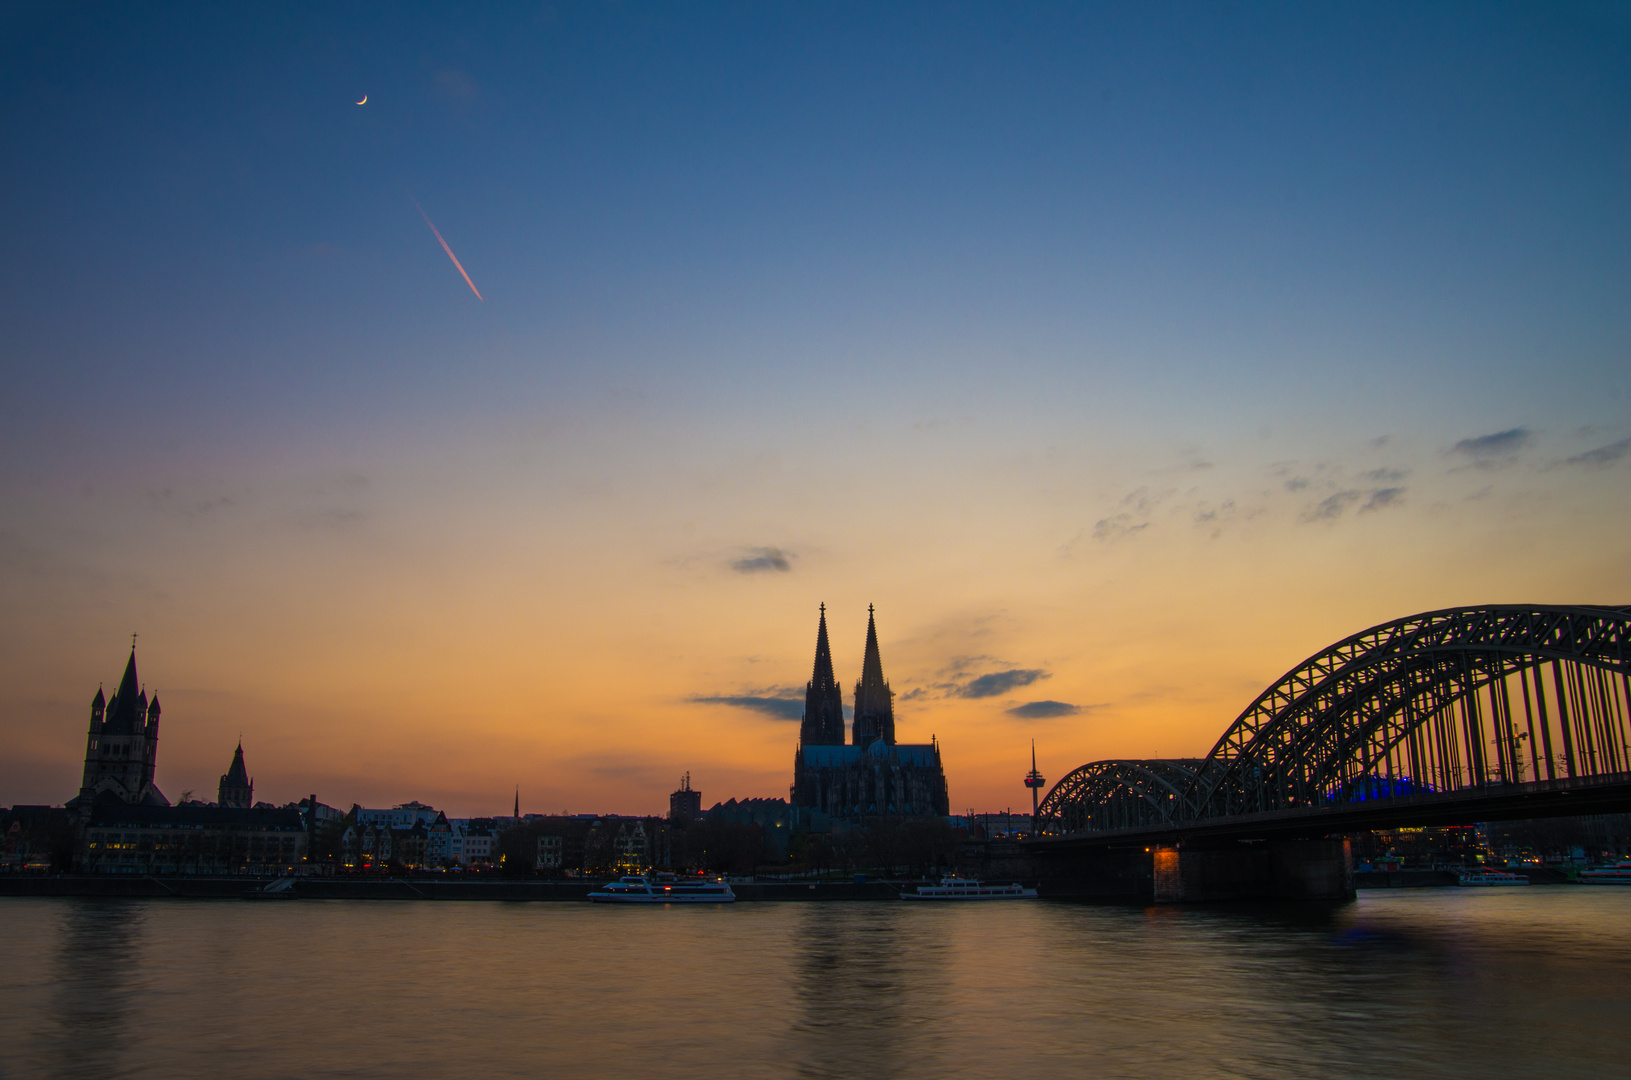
(873, 776)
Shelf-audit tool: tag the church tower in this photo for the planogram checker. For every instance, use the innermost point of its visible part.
(122, 746)
(823, 698)
(236, 789)
(874, 701)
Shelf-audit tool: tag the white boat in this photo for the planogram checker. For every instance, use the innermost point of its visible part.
(955, 888)
(1493, 877)
(281, 889)
(1619, 874)
(664, 889)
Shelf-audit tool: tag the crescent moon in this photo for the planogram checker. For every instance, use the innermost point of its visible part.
(364, 100)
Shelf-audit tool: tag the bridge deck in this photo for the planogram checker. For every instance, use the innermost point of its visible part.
(1609, 794)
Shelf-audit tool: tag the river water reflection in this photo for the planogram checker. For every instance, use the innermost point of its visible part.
(1440, 982)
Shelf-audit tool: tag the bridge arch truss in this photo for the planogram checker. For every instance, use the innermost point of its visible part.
(1439, 702)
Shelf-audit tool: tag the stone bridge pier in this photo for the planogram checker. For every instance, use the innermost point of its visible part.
(1265, 870)
(1173, 873)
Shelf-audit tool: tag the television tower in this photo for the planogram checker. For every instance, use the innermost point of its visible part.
(1034, 781)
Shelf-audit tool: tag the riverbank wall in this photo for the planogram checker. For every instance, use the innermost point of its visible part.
(1432, 879)
(1106, 881)
(320, 888)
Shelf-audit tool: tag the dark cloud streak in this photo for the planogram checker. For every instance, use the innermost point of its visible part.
(760, 560)
(1382, 498)
(997, 683)
(782, 708)
(1044, 710)
(1331, 507)
(1499, 444)
(1602, 457)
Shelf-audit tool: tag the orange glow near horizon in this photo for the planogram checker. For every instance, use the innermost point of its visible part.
(1121, 371)
(397, 656)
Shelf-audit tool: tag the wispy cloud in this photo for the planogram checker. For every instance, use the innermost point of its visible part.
(1498, 444)
(1209, 514)
(1382, 498)
(996, 683)
(333, 503)
(1334, 505)
(782, 704)
(1602, 457)
(1139, 504)
(1331, 507)
(1144, 501)
(1117, 527)
(761, 560)
(1044, 710)
(627, 770)
(167, 502)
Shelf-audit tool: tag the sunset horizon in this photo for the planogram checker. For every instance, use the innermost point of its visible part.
(1123, 360)
(802, 538)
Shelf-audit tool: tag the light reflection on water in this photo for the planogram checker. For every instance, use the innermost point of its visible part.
(1440, 982)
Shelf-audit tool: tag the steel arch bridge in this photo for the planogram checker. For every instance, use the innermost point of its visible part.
(1460, 709)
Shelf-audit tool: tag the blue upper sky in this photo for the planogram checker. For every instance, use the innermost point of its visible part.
(765, 202)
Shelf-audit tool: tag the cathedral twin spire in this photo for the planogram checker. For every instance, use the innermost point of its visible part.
(824, 702)
(874, 701)
(823, 698)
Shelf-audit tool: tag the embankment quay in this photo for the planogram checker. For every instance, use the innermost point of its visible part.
(404, 888)
(397, 888)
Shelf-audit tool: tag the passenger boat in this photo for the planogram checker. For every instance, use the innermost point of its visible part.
(664, 889)
(1492, 877)
(1618, 874)
(955, 888)
(280, 889)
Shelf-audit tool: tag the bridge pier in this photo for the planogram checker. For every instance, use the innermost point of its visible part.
(1192, 872)
(1265, 870)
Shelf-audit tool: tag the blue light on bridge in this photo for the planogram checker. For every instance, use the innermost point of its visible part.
(1383, 787)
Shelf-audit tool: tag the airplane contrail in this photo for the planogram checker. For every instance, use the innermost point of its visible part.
(447, 249)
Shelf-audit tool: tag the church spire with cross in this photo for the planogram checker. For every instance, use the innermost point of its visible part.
(236, 788)
(874, 701)
(122, 744)
(823, 723)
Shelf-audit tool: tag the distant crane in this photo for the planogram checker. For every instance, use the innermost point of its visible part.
(1034, 781)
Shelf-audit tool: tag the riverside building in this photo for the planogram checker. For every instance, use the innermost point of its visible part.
(125, 825)
(122, 839)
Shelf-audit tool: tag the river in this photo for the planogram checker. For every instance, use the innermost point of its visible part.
(1414, 983)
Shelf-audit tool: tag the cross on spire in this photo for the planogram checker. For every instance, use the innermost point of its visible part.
(823, 722)
(874, 709)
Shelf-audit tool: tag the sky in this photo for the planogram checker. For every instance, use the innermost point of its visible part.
(1122, 355)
